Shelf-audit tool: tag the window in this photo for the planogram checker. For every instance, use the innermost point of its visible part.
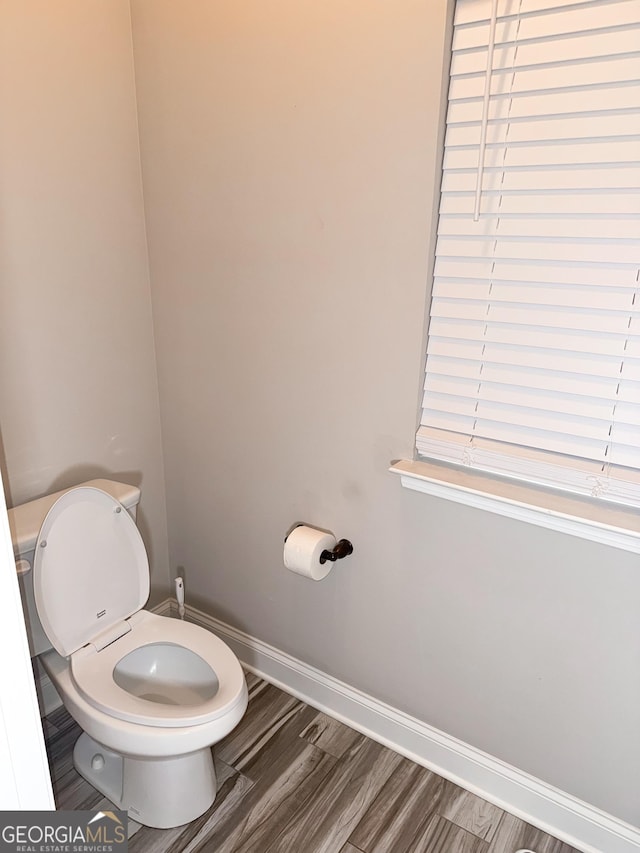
(531, 405)
(533, 363)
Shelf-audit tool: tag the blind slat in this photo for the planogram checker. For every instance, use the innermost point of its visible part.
(577, 49)
(552, 227)
(575, 340)
(543, 180)
(576, 410)
(557, 129)
(616, 69)
(536, 318)
(568, 251)
(620, 275)
(570, 361)
(475, 11)
(610, 299)
(508, 424)
(547, 379)
(609, 204)
(563, 23)
(529, 106)
(583, 153)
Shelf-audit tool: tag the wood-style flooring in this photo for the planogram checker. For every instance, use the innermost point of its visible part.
(293, 780)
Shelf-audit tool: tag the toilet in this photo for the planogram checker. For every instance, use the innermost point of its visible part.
(151, 693)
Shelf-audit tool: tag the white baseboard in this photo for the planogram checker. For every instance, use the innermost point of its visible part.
(167, 607)
(577, 823)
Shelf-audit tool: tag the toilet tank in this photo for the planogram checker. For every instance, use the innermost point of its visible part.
(25, 522)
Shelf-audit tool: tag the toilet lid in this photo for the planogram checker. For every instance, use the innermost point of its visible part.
(90, 568)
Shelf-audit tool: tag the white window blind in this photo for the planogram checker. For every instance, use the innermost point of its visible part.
(533, 359)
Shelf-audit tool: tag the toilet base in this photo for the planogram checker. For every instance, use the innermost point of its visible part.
(158, 792)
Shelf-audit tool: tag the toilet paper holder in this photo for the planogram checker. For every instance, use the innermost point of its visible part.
(341, 549)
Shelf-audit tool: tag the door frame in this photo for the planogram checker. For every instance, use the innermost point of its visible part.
(25, 780)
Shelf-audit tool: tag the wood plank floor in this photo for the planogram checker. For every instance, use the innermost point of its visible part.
(292, 780)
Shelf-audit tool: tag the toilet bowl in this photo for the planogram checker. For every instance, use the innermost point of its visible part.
(152, 694)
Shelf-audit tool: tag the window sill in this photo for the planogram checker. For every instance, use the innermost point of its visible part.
(597, 520)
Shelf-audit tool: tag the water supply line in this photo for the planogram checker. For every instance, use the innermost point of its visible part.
(180, 596)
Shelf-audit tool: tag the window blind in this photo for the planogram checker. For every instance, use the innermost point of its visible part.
(533, 355)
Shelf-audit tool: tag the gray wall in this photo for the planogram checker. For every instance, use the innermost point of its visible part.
(289, 153)
(78, 384)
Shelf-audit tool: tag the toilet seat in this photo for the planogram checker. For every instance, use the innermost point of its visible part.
(92, 673)
(90, 569)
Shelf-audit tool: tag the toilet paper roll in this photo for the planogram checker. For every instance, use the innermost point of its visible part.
(302, 550)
